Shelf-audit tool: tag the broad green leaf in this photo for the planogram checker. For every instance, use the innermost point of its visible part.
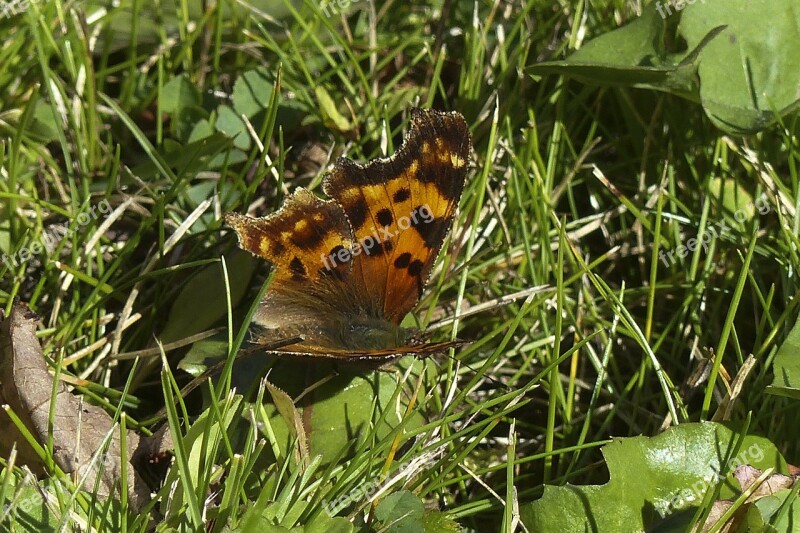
(181, 99)
(202, 300)
(742, 80)
(401, 512)
(734, 199)
(345, 405)
(761, 514)
(201, 130)
(153, 20)
(752, 70)
(252, 92)
(28, 510)
(178, 94)
(44, 124)
(655, 482)
(189, 159)
(5, 230)
(203, 354)
(633, 55)
(786, 366)
(231, 124)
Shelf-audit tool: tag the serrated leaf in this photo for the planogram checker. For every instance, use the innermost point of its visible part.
(633, 55)
(655, 482)
(438, 522)
(323, 523)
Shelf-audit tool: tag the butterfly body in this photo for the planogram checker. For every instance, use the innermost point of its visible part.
(350, 268)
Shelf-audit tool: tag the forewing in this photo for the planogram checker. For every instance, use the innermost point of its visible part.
(401, 208)
(298, 239)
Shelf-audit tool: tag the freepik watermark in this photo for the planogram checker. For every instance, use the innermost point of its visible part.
(718, 230)
(359, 493)
(343, 6)
(697, 491)
(51, 238)
(9, 8)
(664, 10)
(369, 489)
(26, 505)
(380, 235)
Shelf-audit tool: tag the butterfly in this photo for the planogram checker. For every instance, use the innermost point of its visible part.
(349, 269)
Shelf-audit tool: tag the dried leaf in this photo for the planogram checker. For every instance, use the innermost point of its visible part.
(718, 509)
(746, 475)
(79, 429)
(288, 411)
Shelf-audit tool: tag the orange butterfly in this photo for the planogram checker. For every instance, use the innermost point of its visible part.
(349, 269)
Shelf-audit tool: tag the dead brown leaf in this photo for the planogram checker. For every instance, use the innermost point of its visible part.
(79, 429)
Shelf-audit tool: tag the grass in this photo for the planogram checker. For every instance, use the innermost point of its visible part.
(574, 193)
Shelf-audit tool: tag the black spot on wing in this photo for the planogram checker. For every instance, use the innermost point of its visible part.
(385, 217)
(415, 268)
(401, 195)
(297, 268)
(357, 213)
(403, 260)
(382, 248)
(431, 230)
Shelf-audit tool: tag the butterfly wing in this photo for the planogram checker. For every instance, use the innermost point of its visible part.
(401, 208)
(298, 240)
